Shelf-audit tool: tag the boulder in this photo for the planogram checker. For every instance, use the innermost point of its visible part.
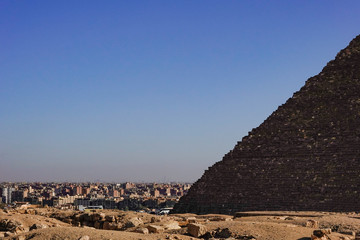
(224, 233)
(77, 217)
(76, 224)
(155, 229)
(30, 211)
(110, 218)
(196, 230)
(191, 219)
(85, 223)
(319, 235)
(38, 226)
(142, 230)
(86, 217)
(67, 220)
(312, 224)
(19, 229)
(8, 234)
(119, 226)
(111, 226)
(221, 218)
(327, 230)
(97, 217)
(133, 222)
(171, 225)
(98, 225)
(106, 225)
(11, 226)
(153, 219)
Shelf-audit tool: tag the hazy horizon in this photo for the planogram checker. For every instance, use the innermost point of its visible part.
(150, 91)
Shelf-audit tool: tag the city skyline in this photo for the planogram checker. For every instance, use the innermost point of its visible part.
(125, 196)
(150, 92)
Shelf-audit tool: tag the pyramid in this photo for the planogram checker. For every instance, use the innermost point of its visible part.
(304, 157)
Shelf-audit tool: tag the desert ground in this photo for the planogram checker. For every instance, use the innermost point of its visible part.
(54, 224)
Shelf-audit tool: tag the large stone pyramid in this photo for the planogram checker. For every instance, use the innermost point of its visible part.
(304, 156)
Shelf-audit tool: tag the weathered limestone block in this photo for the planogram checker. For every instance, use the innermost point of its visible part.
(106, 225)
(97, 217)
(38, 226)
(77, 218)
(221, 218)
(11, 226)
(98, 224)
(191, 220)
(171, 225)
(87, 217)
(67, 220)
(142, 230)
(196, 230)
(133, 222)
(155, 229)
(319, 235)
(76, 223)
(110, 218)
(327, 230)
(312, 224)
(111, 226)
(8, 234)
(30, 211)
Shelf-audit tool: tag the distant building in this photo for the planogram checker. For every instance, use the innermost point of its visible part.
(82, 202)
(86, 191)
(155, 193)
(77, 190)
(7, 194)
(129, 185)
(114, 193)
(165, 191)
(19, 195)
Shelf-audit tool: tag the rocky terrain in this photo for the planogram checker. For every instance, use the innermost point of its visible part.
(48, 223)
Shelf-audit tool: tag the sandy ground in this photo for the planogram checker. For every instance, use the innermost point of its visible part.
(260, 225)
(28, 220)
(70, 233)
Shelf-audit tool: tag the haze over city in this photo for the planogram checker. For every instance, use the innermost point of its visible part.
(150, 90)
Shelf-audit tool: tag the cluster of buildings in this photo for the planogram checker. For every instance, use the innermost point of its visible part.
(125, 196)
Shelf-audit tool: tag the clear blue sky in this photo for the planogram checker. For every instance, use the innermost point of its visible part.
(150, 90)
